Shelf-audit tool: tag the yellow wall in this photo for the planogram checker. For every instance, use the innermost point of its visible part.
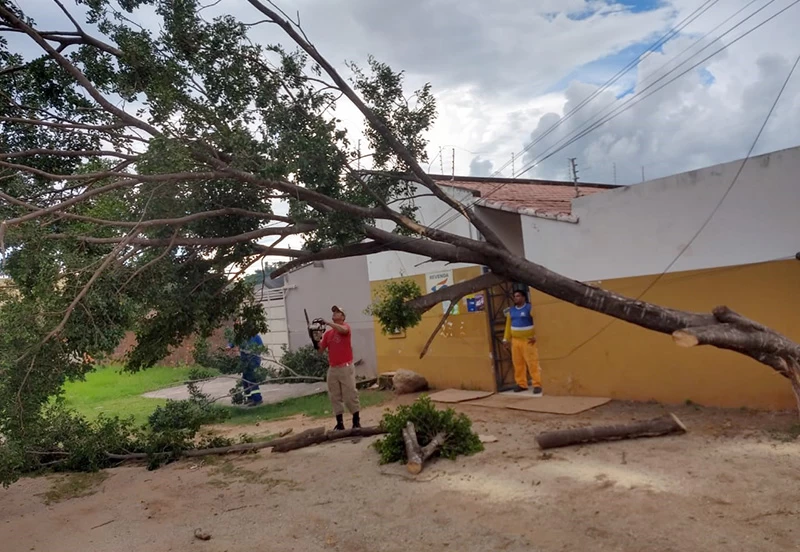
(459, 357)
(628, 362)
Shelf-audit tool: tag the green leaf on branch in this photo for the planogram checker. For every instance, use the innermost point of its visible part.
(390, 306)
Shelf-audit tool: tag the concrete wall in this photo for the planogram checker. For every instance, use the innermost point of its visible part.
(460, 355)
(641, 229)
(586, 353)
(341, 282)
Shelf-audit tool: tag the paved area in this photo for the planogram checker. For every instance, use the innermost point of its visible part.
(221, 387)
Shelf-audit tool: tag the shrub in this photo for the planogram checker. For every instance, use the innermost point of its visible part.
(304, 361)
(391, 309)
(428, 421)
(185, 415)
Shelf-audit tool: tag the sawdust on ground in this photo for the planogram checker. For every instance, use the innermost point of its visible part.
(730, 484)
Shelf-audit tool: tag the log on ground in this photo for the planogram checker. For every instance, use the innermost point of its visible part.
(306, 438)
(415, 454)
(664, 425)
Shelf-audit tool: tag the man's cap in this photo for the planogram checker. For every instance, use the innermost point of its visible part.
(336, 309)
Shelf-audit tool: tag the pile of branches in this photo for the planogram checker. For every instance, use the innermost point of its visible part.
(419, 431)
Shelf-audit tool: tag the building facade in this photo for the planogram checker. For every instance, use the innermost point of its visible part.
(690, 241)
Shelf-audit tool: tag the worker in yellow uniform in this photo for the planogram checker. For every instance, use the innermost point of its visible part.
(520, 335)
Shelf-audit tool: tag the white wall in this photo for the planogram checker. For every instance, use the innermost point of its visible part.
(316, 288)
(640, 229)
(432, 212)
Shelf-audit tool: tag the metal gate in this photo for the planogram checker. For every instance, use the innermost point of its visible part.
(499, 298)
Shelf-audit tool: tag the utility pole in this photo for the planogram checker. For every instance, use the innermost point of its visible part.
(454, 165)
(642, 173)
(513, 170)
(615, 173)
(358, 162)
(574, 169)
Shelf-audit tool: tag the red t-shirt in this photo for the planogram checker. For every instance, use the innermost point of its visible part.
(340, 351)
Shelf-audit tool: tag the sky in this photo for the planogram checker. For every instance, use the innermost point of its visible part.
(512, 77)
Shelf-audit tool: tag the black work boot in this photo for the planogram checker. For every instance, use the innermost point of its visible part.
(339, 423)
(356, 420)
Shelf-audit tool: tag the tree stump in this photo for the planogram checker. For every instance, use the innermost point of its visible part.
(416, 454)
(664, 425)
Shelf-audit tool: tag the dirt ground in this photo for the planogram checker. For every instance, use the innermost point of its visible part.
(732, 483)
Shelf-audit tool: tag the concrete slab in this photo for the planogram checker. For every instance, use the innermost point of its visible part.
(221, 386)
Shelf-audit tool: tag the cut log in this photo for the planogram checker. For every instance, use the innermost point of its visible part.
(664, 425)
(306, 438)
(406, 381)
(416, 455)
(313, 437)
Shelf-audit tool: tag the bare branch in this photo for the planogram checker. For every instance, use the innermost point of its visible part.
(192, 242)
(68, 153)
(376, 123)
(354, 250)
(9, 16)
(435, 332)
(455, 292)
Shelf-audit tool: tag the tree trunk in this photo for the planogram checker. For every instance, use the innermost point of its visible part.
(315, 436)
(306, 438)
(416, 455)
(651, 428)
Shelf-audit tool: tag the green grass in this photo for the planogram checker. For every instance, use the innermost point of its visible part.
(314, 406)
(115, 393)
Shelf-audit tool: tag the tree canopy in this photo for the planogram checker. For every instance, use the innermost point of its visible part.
(139, 170)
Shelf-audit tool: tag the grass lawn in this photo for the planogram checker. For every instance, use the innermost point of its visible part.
(314, 406)
(116, 393)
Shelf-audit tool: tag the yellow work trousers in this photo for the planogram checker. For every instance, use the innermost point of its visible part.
(525, 357)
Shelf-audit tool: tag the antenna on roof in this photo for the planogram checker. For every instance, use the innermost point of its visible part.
(574, 170)
(454, 165)
(614, 165)
(513, 170)
(441, 160)
(358, 161)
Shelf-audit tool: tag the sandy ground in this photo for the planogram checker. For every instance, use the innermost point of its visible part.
(729, 484)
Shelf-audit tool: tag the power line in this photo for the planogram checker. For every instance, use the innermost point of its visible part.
(707, 220)
(633, 63)
(436, 223)
(639, 96)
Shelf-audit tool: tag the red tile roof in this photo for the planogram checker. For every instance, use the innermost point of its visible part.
(536, 197)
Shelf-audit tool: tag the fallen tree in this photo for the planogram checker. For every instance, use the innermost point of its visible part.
(665, 425)
(144, 214)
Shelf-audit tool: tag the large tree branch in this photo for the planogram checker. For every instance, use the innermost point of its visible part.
(65, 64)
(377, 124)
(193, 242)
(354, 250)
(455, 292)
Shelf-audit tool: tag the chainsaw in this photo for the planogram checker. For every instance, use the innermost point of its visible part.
(316, 328)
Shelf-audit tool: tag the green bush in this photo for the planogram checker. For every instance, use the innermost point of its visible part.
(428, 421)
(201, 373)
(304, 361)
(191, 415)
(218, 360)
(62, 440)
(391, 309)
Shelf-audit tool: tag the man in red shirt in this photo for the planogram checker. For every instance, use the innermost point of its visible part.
(341, 374)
